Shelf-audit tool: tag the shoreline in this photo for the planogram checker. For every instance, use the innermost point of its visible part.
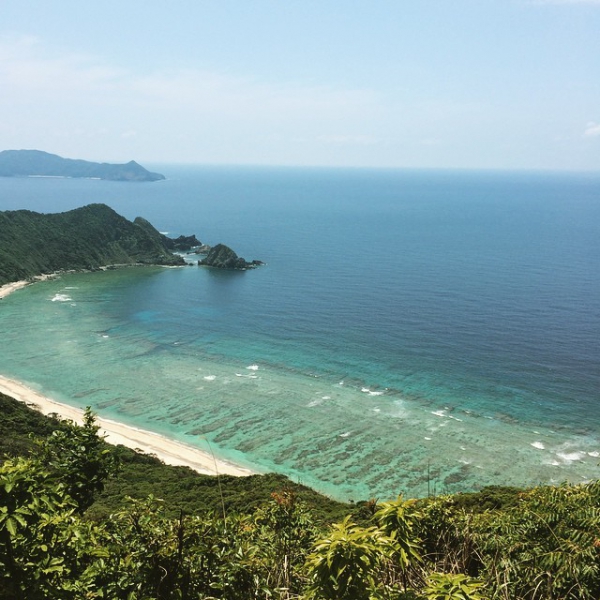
(168, 451)
(9, 288)
(13, 286)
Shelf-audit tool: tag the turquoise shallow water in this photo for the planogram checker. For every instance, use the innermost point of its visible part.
(410, 332)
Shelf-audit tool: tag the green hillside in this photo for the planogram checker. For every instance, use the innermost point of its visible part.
(141, 475)
(85, 238)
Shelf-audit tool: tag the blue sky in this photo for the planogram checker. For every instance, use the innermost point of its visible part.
(507, 84)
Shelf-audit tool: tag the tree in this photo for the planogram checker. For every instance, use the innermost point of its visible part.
(396, 520)
(345, 564)
(79, 458)
(45, 549)
(286, 532)
(549, 548)
(448, 586)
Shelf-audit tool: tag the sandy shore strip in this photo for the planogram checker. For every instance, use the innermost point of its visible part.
(169, 451)
(13, 286)
(9, 288)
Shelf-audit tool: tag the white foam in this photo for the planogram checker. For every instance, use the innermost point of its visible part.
(594, 454)
(442, 413)
(325, 397)
(345, 435)
(209, 377)
(252, 368)
(377, 410)
(61, 298)
(427, 438)
(313, 403)
(538, 445)
(104, 336)
(246, 376)
(570, 456)
(366, 390)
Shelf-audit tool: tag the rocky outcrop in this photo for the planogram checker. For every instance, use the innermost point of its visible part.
(223, 257)
(183, 243)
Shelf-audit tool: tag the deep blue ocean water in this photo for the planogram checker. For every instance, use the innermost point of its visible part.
(411, 331)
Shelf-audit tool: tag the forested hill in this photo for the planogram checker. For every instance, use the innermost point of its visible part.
(85, 238)
(31, 163)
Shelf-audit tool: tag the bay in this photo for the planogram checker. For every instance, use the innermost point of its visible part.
(411, 332)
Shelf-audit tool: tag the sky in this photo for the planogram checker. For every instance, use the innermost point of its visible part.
(469, 84)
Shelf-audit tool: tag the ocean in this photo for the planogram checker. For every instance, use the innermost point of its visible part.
(411, 332)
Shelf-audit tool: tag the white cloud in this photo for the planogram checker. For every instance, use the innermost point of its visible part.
(26, 66)
(592, 129)
(25, 69)
(60, 100)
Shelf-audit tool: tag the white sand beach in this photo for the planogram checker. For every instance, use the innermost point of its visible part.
(169, 451)
(9, 288)
(13, 286)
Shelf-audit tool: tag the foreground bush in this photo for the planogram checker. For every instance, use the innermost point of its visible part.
(538, 544)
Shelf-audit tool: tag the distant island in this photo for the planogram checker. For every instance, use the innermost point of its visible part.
(35, 163)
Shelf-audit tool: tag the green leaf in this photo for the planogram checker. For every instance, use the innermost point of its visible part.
(11, 525)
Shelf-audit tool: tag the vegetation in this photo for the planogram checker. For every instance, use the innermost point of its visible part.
(140, 475)
(223, 257)
(503, 544)
(183, 243)
(25, 163)
(85, 238)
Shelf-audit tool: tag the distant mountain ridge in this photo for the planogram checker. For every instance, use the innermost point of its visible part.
(89, 237)
(32, 163)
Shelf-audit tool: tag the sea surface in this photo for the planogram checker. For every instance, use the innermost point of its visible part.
(411, 332)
